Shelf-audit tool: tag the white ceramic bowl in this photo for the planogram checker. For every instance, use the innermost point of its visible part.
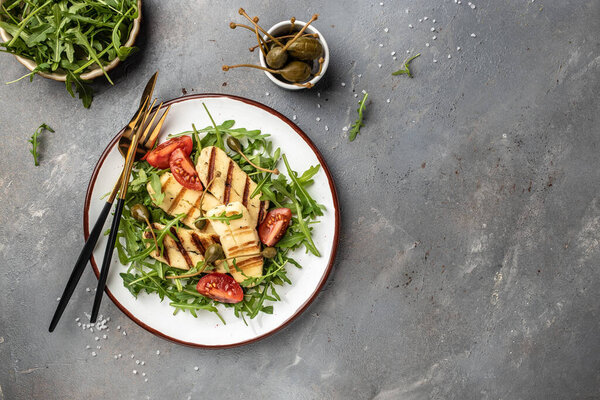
(284, 27)
(30, 64)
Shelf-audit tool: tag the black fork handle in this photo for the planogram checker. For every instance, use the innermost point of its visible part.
(110, 246)
(80, 265)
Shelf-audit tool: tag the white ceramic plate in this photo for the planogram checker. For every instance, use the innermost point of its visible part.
(207, 330)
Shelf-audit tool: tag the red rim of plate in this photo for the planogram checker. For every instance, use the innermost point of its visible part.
(304, 306)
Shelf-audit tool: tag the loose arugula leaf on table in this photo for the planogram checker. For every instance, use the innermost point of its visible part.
(355, 128)
(35, 141)
(406, 69)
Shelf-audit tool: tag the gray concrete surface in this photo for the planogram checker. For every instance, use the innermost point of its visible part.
(470, 244)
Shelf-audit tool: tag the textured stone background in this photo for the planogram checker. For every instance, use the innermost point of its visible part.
(470, 244)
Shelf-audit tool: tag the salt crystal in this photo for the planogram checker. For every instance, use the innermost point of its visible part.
(326, 128)
(432, 29)
(420, 19)
(433, 21)
(318, 119)
(345, 129)
(434, 60)
(364, 92)
(157, 352)
(318, 105)
(137, 362)
(77, 319)
(388, 100)
(88, 347)
(458, 48)
(394, 58)
(196, 368)
(96, 338)
(294, 118)
(425, 18)
(146, 380)
(58, 299)
(410, 26)
(379, 65)
(360, 75)
(267, 93)
(473, 35)
(143, 374)
(343, 84)
(143, 363)
(98, 347)
(380, 44)
(355, 94)
(87, 289)
(115, 357)
(93, 354)
(386, 30)
(393, 53)
(134, 372)
(118, 327)
(449, 56)
(433, 37)
(124, 333)
(120, 355)
(381, 4)
(79, 324)
(426, 44)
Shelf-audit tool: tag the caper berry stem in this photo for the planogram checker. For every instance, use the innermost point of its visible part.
(260, 43)
(315, 35)
(152, 232)
(243, 12)
(228, 67)
(301, 31)
(272, 171)
(292, 21)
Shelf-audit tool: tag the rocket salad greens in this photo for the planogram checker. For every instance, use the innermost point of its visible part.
(146, 274)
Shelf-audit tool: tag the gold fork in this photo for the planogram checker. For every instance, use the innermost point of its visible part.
(147, 141)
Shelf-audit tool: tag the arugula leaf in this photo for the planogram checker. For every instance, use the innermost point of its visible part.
(359, 122)
(406, 69)
(158, 195)
(34, 141)
(223, 217)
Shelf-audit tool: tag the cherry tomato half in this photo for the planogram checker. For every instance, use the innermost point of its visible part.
(220, 287)
(272, 229)
(183, 170)
(159, 157)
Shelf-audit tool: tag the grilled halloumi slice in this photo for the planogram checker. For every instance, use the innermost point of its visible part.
(230, 182)
(238, 239)
(185, 253)
(180, 200)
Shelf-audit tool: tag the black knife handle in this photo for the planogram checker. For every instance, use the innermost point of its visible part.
(110, 246)
(80, 265)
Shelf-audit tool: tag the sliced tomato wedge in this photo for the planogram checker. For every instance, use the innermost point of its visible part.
(183, 170)
(220, 287)
(272, 229)
(159, 157)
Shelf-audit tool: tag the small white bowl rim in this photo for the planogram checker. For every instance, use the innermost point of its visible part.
(30, 64)
(310, 29)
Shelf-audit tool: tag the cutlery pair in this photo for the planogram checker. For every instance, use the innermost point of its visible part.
(139, 132)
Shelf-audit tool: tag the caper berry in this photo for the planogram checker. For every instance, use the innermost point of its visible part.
(277, 57)
(200, 224)
(305, 48)
(295, 71)
(140, 212)
(269, 252)
(213, 253)
(234, 144)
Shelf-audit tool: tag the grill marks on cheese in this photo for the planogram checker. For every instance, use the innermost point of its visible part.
(179, 200)
(239, 239)
(186, 251)
(230, 183)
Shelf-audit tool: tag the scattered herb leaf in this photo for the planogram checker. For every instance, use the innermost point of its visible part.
(35, 142)
(355, 128)
(406, 69)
